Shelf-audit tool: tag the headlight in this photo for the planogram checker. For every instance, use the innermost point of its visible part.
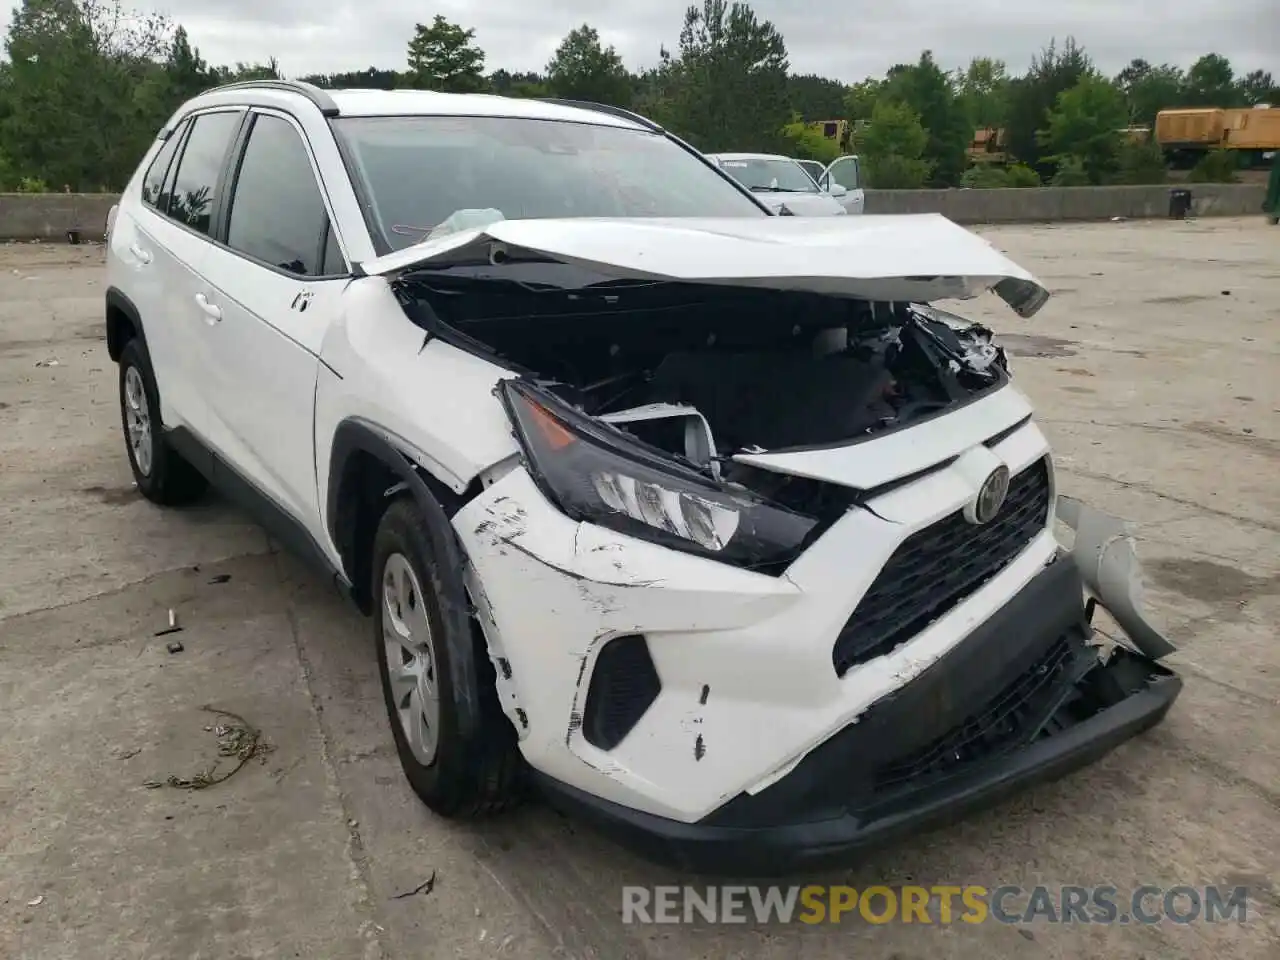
(592, 473)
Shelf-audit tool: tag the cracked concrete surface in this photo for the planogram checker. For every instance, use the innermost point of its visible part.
(1156, 372)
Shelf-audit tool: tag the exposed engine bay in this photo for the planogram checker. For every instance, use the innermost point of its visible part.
(703, 371)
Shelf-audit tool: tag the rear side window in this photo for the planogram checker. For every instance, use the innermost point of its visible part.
(196, 186)
(153, 185)
(277, 213)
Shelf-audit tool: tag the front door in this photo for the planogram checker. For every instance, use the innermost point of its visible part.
(277, 280)
(846, 172)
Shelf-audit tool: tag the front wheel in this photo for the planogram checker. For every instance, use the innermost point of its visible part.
(427, 686)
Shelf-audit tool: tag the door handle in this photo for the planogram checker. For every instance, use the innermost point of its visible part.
(212, 312)
(141, 254)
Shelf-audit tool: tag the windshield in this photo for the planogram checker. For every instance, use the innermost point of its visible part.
(436, 174)
(765, 175)
(813, 168)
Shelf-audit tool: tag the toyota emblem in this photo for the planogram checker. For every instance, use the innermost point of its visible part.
(991, 496)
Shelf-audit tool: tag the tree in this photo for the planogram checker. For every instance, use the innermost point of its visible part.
(1217, 166)
(1211, 83)
(507, 84)
(444, 57)
(807, 143)
(816, 98)
(583, 69)
(984, 176)
(370, 78)
(84, 97)
(984, 89)
(1148, 90)
(727, 89)
(861, 99)
(1085, 124)
(928, 91)
(249, 71)
(892, 147)
(1032, 96)
(1258, 87)
(1141, 161)
(185, 69)
(1070, 173)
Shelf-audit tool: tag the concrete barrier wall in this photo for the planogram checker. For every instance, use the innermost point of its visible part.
(1046, 204)
(48, 216)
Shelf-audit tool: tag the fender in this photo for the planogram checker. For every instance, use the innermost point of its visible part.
(118, 301)
(354, 437)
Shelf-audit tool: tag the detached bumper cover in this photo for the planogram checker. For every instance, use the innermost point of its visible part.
(1023, 699)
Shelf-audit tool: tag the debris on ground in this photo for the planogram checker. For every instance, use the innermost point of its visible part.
(221, 578)
(128, 754)
(424, 888)
(51, 362)
(175, 646)
(36, 902)
(172, 628)
(239, 739)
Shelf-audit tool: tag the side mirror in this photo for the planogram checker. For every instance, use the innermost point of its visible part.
(835, 189)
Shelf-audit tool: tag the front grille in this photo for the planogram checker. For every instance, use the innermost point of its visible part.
(1007, 721)
(938, 567)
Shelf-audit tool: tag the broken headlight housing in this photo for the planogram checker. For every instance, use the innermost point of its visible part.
(595, 474)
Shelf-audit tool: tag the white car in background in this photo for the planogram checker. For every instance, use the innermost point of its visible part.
(781, 183)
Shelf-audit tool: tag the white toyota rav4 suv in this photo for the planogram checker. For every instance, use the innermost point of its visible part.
(700, 519)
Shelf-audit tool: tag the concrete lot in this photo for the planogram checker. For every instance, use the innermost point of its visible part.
(1156, 370)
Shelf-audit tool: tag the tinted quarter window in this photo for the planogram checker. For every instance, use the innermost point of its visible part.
(153, 184)
(333, 262)
(277, 212)
(197, 182)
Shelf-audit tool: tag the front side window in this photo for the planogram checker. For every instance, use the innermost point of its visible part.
(153, 184)
(196, 184)
(277, 211)
(765, 175)
(421, 174)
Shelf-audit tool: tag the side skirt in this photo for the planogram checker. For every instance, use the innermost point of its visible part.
(278, 522)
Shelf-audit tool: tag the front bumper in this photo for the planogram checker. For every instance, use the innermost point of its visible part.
(926, 755)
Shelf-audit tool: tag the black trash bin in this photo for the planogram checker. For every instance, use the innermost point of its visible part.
(1179, 204)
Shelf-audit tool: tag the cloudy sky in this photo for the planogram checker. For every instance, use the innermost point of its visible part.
(846, 40)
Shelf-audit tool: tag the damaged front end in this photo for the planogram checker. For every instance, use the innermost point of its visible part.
(773, 576)
(1032, 694)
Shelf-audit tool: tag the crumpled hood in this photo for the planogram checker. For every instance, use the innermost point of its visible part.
(916, 258)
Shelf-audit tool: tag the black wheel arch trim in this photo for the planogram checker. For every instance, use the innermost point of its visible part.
(117, 299)
(354, 437)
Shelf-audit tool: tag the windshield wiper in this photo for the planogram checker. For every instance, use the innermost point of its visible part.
(768, 190)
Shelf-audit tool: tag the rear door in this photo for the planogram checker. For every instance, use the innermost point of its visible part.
(169, 247)
(846, 172)
(134, 269)
(276, 277)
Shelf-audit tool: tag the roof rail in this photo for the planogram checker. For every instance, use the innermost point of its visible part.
(319, 97)
(605, 108)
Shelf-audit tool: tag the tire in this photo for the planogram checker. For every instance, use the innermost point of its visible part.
(464, 762)
(161, 474)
